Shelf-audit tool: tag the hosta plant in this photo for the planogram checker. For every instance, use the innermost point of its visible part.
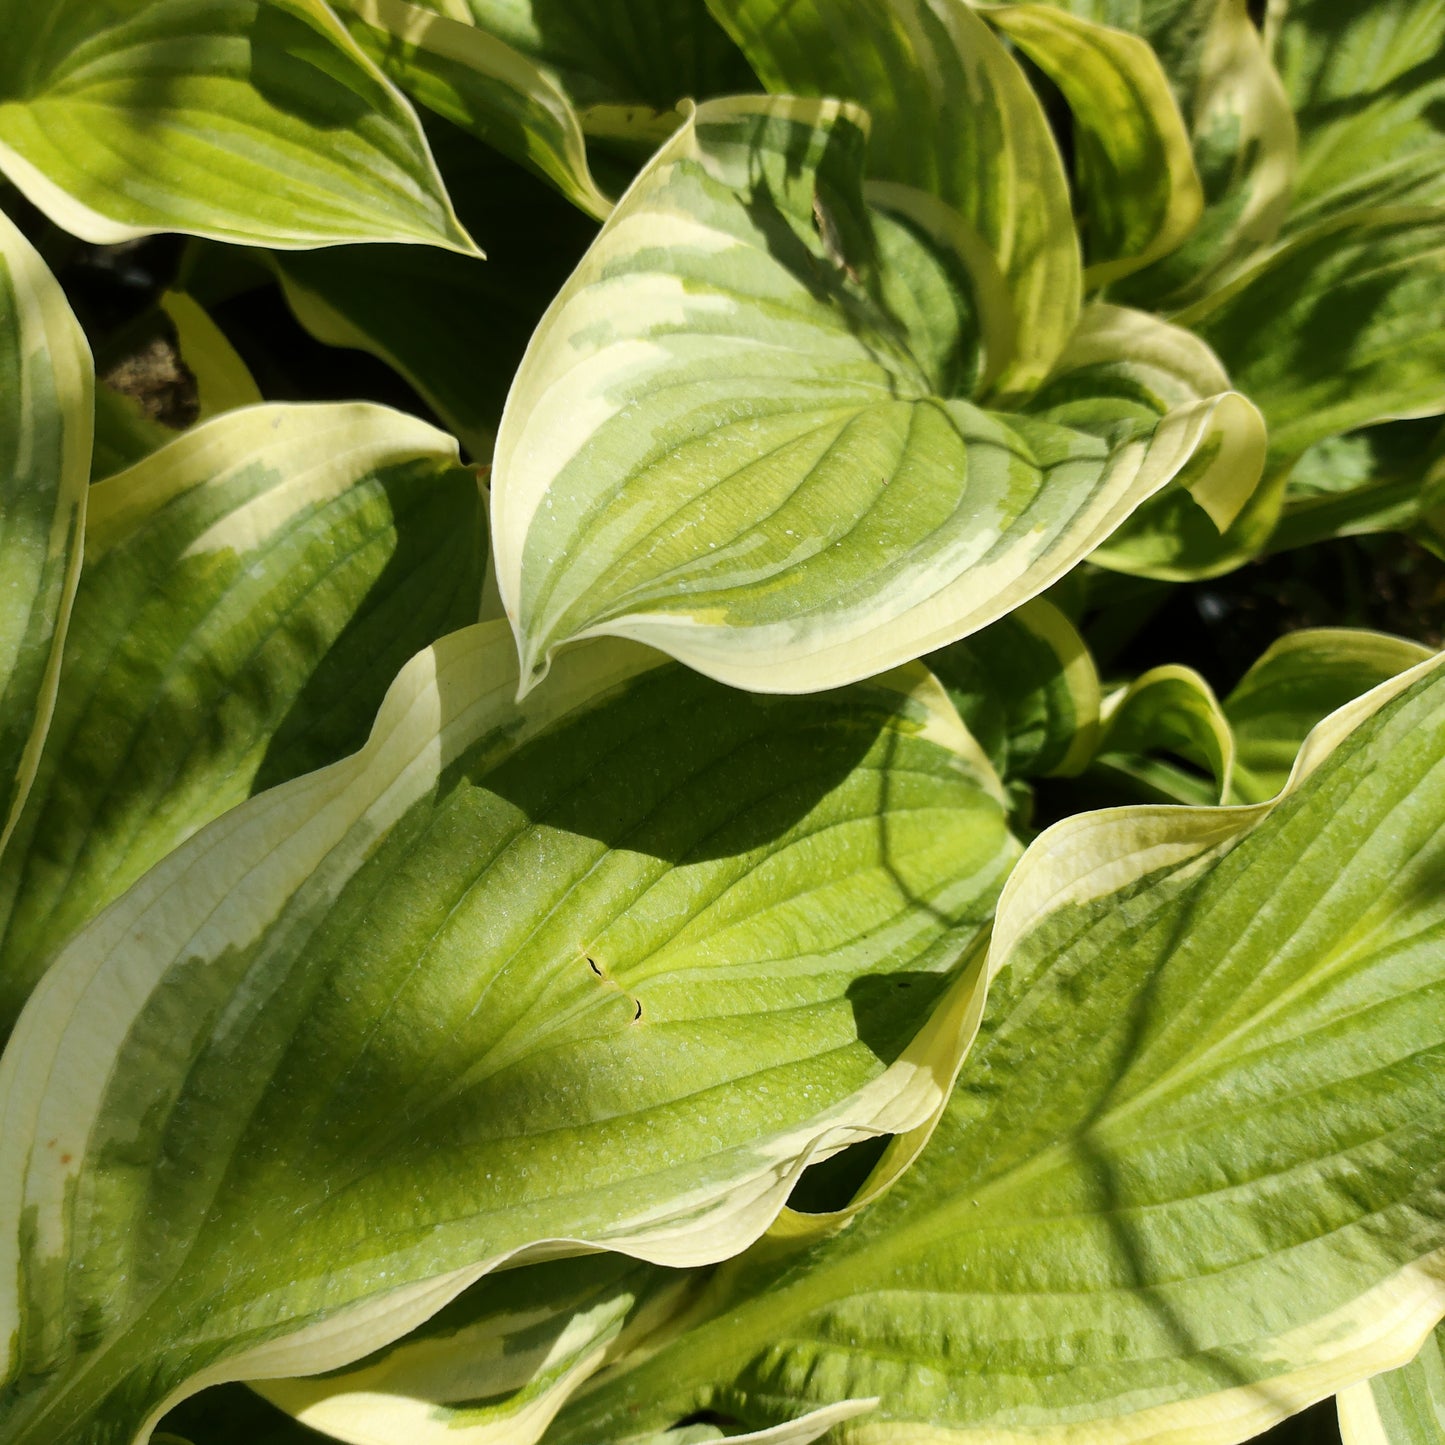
(674, 766)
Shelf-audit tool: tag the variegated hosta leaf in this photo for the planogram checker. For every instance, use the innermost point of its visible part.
(1298, 681)
(1361, 459)
(609, 968)
(46, 425)
(250, 590)
(483, 85)
(1244, 141)
(1193, 1174)
(1028, 691)
(496, 1364)
(1367, 83)
(611, 56)
(246, 120)
(1339, 329)
(1384, 478)
(723, 440)
(952, 116)
(453, 326)
(1400, 1407)
(1136, 176)
(1171, 710)
(1123, 372)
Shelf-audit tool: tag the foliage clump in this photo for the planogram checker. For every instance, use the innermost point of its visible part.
(807, 803)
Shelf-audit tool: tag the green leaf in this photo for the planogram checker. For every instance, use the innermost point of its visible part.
(1125, 371)
(1386, 478)
(46, 426)
(1135, 169)
(123, 433)
(453, 326)
(953, 116)
(496, 1365)
(1401, 1407)
(608, 55)
(1342, 465)
(223, 382)
(1297, 682)
(244, 120)
(723, 443)
(1244, 142)
(1367, 83)
(1027, 690)
(1193, 1174)
(1171, 709)
(1341, 328)
(249, 592)
(480, 83)
(606, 969)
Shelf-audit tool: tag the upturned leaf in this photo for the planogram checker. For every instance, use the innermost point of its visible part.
(46, 428)
(606, 969)
(1134, 168)
(1295, 684)
(1193, 1174)
(726, 441)
(1123, 374)
(952, 116)
(1170, 709)
(243, 120)
(250, 591)
(1243, 136)
(1028, 691)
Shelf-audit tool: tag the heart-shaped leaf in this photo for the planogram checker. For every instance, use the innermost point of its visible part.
(724, 443)
(245, 120)
(610, 969)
